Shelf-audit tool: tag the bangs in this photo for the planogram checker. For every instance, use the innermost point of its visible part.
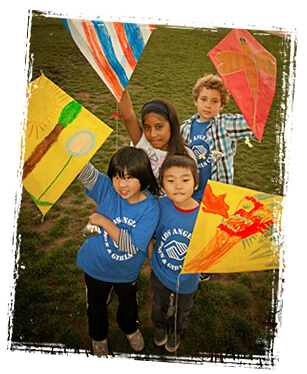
(124, 169)
(134, 162)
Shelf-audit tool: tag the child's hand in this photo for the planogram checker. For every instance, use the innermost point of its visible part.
(95, 219)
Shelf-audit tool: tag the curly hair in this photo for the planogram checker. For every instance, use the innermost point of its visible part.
(211, 82)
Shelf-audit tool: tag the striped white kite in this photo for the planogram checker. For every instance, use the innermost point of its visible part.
(112, 48)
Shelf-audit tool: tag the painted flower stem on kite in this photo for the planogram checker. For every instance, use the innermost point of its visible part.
(38, 201)
(78, 145)
(67, 116)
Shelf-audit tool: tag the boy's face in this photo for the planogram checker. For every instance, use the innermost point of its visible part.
(179, 185)
(208, 103)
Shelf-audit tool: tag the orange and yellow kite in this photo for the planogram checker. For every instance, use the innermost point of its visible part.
(237, 230)
(61, 137)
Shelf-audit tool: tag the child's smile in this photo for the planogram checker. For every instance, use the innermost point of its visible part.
(208, 103)
(129, 188)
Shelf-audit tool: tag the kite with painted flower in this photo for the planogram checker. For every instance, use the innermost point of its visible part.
(249, 73)
(61, 136)
(112, 48)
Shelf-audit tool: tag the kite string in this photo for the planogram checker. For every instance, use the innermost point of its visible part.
(176, 309)
(116, 137)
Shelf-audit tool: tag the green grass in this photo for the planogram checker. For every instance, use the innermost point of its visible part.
(234, 315)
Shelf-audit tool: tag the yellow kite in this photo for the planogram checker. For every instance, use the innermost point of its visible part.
(237, 230)
(61, 137)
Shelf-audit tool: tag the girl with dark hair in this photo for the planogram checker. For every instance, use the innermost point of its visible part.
(127, 214)
(160, 131)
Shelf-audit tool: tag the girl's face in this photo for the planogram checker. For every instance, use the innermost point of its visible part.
(128, 187)
(157, 131)
(208, 103)
(179, 185)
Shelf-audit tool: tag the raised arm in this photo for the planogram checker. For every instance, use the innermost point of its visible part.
(88, 176)
(131, 122)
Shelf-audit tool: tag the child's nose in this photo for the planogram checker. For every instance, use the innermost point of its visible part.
(153, 132)
(121, 182)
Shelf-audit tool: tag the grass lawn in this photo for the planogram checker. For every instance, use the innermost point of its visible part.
(235, 315)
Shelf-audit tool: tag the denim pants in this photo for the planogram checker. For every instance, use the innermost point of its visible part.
(160, 302)
(127, 312)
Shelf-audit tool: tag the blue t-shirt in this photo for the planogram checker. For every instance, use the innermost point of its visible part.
(99, 256)
(200, 146)
(173, 236)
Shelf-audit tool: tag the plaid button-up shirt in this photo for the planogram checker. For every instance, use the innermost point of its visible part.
(222, 133)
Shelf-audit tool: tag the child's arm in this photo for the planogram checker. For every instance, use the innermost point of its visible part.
(150, 248)
(88, 176)
(100, 220)
(131, 122)
(237, 127)
(120, 236)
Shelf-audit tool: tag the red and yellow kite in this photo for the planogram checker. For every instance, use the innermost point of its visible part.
(237, 230)
(249, 73)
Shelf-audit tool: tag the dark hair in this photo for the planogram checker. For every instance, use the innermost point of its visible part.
(182, 161)
(176, 143)
(137, 165)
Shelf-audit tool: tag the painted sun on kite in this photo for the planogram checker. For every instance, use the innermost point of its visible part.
(44, 106)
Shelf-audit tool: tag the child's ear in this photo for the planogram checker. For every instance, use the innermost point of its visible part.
(195, 102)
(195, 188)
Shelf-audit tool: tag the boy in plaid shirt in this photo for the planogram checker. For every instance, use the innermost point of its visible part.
(211, 135)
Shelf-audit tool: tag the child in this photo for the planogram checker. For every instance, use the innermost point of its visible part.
(127, 214)
(160, 134)
(178, 212)
(211, 135)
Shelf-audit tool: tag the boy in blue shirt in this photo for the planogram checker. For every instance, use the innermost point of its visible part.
(213, 136)
(178, 178)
